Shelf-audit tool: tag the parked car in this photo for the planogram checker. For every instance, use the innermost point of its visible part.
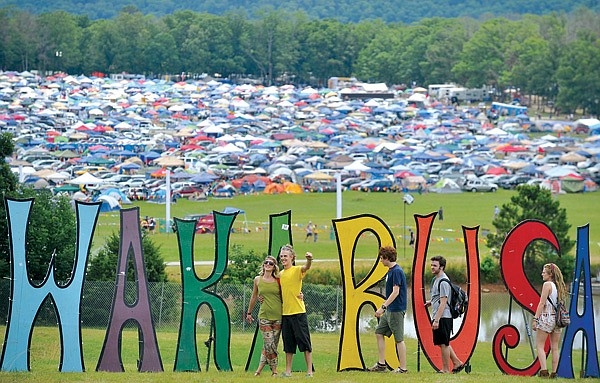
(581, 129)
(188, 191)
(378, 186)
(477, 185)
(320, 187)
(514, 181)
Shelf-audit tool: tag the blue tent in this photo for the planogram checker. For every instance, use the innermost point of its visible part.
(230, 210)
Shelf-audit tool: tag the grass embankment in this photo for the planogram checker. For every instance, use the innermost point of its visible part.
(466, 209)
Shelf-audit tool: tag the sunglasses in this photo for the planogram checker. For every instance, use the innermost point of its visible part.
(270, 263)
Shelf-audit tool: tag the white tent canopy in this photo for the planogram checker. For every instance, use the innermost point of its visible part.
(86, 179)
(357, 166)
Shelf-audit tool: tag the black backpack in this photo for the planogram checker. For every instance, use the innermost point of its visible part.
(458, 300)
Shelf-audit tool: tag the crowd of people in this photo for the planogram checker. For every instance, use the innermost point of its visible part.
(283, 313)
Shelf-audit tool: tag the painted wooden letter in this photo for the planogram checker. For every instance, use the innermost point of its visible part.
(348, 232)
(26, 298)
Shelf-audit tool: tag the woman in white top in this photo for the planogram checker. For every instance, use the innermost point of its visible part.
(544, 322)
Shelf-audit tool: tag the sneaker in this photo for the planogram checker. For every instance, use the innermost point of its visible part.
(378, 368)
(399, 371)
(285, 375)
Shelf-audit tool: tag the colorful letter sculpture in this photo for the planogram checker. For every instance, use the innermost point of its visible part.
(27, 298)
(195, 294)
(464, 341)
(585, 321)
(110, 357)
(519, 287)
(356, 294)
(279, 235)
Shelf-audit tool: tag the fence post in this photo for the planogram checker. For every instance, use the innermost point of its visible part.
(337, 304)
(243, 306)
(162, 298)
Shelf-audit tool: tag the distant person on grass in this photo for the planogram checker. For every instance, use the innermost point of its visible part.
(309, 231)
(392, 311)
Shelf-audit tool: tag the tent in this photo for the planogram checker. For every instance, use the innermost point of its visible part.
(109, 203)
(572, 183)
(444, 186)
(230, 210)
(320, 176)
(274, 188)
(414, 183)
(292, 188)
(86, 179)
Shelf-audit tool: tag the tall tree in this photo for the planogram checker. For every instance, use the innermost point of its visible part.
(103, 265)
(578, 76)
(8, 185)
(483, 57)
(533, 202)
(60, 37)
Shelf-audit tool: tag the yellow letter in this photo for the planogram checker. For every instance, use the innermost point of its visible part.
(348, 231)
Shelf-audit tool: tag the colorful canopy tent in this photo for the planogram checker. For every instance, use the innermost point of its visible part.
(292, 188)
(445, 186)
(274, 188)
(572, 183)
(109, 203)
(230, 209)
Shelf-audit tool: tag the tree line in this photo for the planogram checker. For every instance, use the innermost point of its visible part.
(353, 11)
(554, 56)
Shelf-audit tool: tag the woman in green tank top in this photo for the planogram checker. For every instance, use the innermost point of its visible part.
(266, 285)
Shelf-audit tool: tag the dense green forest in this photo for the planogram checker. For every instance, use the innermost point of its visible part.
(555, 56)
(406, 11)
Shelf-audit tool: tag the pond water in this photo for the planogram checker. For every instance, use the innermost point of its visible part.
(494, 314)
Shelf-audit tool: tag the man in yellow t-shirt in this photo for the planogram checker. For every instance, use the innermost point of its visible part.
(294, 322)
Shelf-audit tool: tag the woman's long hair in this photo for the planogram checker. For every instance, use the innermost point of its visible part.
(275, 272)
(557, 277)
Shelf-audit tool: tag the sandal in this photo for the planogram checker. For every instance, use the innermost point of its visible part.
(458, 369)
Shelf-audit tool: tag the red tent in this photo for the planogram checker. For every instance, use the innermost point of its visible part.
(496, 171)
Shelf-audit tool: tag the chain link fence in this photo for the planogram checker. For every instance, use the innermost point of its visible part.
(324, 305)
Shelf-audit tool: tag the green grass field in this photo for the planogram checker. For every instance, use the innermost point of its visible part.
(466, 209)
(45, 355)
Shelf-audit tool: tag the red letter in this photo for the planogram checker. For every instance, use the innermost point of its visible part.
(511, 263)
(465, 339)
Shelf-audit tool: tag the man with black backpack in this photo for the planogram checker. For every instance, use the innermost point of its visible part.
(440, 302)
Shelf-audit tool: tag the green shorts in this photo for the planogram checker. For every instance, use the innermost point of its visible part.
(392, 322)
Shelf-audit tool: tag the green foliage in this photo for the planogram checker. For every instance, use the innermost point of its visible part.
(51, 232)
(533, 202)
(243, 265)
(489, 270)
(554, 56)
(322, 307)
(103, 266)
(343, 10)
